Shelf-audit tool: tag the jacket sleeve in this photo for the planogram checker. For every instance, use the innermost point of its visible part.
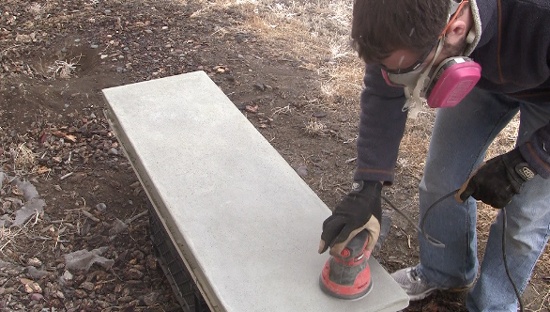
(381, 127)
(537, 151)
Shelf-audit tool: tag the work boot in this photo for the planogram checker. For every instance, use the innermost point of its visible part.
(411, 282)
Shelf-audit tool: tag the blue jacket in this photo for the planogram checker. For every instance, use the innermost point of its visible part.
(514, 53)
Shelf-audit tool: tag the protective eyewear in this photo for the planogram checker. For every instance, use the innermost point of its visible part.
(411, 68)
(409, 76)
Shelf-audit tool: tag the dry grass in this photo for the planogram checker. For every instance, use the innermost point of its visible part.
(315, 128)
(11, 237)
(24, 159)
(320, 38)
(316, 33)
(63, 69)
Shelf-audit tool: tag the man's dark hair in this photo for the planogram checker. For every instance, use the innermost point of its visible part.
(380, 27)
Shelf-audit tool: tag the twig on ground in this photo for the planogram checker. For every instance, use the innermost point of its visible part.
(66, 176)
(132, 219)
(282, 110)
(90, 216)
(57, 237)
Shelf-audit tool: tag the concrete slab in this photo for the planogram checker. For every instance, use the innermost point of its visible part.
(246, 224)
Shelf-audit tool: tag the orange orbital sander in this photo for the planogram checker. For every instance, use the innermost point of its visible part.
(347, 276)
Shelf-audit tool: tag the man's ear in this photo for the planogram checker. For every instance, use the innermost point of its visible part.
(457, 32)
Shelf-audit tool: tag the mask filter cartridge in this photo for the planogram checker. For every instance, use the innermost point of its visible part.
(453, 79)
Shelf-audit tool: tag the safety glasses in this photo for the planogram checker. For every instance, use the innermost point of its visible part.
(411, 68)
(409, 76)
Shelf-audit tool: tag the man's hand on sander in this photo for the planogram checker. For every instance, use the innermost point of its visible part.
(498, 180)
(360, 210)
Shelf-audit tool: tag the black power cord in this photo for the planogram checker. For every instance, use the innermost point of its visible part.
(437, 243)
(516, 291)
(419, 229)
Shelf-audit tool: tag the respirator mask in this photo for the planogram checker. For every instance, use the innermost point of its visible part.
(444, 85)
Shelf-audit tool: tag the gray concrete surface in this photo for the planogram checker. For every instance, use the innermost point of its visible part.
(247, 225)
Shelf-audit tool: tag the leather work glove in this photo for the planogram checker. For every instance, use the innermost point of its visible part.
(498, 180)
(360, 210)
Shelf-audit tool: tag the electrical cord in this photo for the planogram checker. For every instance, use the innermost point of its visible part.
(420, 230)
(437, 243)
(516, 291)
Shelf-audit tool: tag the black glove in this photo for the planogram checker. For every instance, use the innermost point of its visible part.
(360, 210)
(498, 180)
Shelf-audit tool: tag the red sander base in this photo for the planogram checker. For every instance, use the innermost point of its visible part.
(343, 279)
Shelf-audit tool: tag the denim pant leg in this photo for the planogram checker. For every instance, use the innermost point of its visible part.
(460, 138)
(527, 232)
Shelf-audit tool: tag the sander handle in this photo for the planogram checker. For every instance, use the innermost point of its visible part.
(458, 194)
(356, 246)
(462, 189)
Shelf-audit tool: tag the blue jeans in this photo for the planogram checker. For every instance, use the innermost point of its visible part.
(460, 138)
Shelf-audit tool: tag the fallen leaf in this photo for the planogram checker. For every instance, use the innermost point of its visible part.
(251, 109)
(30, 286)
(42, 170)
(58, 133)
(70, 137)
(16, 191)
(61, 134)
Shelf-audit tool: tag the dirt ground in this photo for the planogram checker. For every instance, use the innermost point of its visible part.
(286, 65)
